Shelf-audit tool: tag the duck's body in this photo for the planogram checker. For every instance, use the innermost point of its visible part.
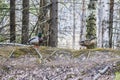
(36, 40)
(88, 43)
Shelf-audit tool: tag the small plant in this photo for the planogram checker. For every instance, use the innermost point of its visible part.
(117, 76)
(2, 38)
(11, 78)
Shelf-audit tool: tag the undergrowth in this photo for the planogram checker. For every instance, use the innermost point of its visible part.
(18, 51)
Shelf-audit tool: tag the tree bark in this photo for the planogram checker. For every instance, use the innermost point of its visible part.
(74, 25)
(53, 38)
(111, 22)
(41, 17)
(83, 24)
(12, 21)
(25, 21)
(100, 26)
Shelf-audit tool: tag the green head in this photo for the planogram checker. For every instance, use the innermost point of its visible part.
(40, 35)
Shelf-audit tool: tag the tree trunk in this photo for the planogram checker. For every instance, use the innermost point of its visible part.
(41, 17)
(111, 22)
(25, 21)
(100, 26)
(12, 21)
(83, 22)
(53, 39)
(74, 25)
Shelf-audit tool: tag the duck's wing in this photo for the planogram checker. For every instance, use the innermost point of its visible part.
(33, 40)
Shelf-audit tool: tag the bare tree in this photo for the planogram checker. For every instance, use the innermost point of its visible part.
(12, 21)
(41, 16)
(82, 29)
(111, 22)
(74, 25)
(25, 21)
(54, 24)
(100, 26)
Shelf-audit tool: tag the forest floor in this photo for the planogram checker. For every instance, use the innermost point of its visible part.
(59, 64)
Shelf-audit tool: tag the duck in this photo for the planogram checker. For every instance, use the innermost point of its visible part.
(36, 41)
(89, 44)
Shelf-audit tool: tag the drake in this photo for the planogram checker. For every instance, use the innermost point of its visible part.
(89, 44)
(36, 41)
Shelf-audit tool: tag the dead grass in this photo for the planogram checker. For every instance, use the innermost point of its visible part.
(86, 51)
(91, 61)
(18, 51)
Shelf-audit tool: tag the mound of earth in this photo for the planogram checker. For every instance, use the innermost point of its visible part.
(58, 64)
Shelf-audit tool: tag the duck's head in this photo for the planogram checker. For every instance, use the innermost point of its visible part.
(39, 35)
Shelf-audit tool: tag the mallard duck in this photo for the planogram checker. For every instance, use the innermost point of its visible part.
(88, 43)
(36, 42)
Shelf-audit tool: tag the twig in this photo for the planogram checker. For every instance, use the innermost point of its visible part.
(97, 76)
(101, 72)
(88, 55)
(51, 55)
(11, 53)
(104, 70)
(40, 56)
(12, 44)
(9, 56)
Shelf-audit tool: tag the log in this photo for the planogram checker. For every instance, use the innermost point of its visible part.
(12, 44)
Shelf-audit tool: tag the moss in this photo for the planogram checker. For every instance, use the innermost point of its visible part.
(11, 78)
(18, 51)
(79, 52)
(86, 51)
(2, 38)
(117, 76)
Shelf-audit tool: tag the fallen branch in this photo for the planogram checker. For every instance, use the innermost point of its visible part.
(104, 70)
(100, 73)
(50, 55)
(38, 52)
(11, 53)
(12, 44)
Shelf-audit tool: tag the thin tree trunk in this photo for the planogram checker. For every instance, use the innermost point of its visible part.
(12, 21)
(100, 16)
(25, 22)
(73, 43)
(53, 39)
(41, 17)
(82, 29)
(111, 22)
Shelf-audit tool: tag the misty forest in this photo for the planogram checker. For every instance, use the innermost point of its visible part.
(59, 39)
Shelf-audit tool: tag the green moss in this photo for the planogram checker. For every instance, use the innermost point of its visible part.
(11, 78)
(2, 38)
(23, 51)
(117, 76)
(18, 52)
(79, 52)
(86, 51)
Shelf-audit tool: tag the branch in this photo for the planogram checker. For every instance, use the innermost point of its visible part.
(100, 73)
(11, 44)
(48, 20)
